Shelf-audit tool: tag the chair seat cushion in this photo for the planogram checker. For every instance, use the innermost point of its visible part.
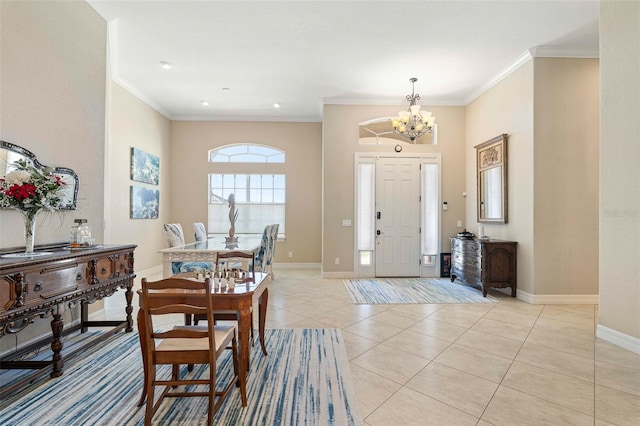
(222, 333)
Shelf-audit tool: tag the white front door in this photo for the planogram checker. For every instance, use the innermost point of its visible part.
(397, 217)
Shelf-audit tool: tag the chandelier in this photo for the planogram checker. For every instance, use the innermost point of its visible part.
(413, 123)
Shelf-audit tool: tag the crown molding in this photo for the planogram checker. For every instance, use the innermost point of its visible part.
(553, 52)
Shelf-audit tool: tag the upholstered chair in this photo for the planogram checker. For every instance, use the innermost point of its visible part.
(199, 231)
(174, 235)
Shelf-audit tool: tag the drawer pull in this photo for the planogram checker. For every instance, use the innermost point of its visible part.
(79, 277)
(37, 286)
(103, 270)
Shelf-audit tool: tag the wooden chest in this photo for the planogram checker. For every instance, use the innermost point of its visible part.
(485, 263)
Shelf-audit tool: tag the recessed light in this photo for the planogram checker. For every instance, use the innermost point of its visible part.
(276, 105)
(225, 89)
(204, 103)
(165, 65)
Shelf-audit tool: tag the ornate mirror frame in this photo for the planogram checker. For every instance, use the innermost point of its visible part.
(9, 153)
(491, 166)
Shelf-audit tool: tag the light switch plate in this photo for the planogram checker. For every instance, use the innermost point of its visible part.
(346, 222)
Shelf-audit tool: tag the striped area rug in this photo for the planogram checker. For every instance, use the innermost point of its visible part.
(373, 291)
(305, 380)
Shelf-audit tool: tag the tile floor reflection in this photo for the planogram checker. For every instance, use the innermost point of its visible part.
(508, 363)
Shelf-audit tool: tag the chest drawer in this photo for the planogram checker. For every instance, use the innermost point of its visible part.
(51, 281)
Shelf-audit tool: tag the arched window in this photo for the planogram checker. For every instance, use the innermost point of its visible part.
(246, 153)
(260, 198)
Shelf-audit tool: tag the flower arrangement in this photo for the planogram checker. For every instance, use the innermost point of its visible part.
(30, 190)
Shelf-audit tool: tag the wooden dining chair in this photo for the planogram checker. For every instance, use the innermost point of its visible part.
(183, 344)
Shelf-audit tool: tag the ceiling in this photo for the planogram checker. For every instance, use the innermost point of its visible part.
(244, 56)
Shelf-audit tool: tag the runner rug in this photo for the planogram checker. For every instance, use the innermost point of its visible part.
(305, 380)
(374, 291)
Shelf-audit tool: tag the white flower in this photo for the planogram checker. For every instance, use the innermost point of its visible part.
(17, 177)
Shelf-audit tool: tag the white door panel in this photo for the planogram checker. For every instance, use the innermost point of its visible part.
(398, 204)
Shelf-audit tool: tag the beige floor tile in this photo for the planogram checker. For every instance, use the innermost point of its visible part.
(588, 310)
(364, 311)
(279, 318)
(357, 345)
(372, 389)
(463, 391)
(576, 345)
(410, 408)
(613, 354)
(518, 307)
(478, 363)
(374, 330)
(551, 312)
(417, 344)
(618, 377)
(417, 309)
(391, 363)
(501, 328)
(560, 362)
(565, 328)
(558, 388)
(395, 318)
(337, 319)
(497, 345)
(456, 318)
(510, 407)
(617, 407)
(308, 309)
(510, 317)
(438, 329)
(474, 309)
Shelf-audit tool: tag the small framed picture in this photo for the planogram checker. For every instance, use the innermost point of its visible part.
(145, 203)
(445, 264)
(145, 167)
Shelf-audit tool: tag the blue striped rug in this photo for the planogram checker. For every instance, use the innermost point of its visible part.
(305, 380)
(374, 291)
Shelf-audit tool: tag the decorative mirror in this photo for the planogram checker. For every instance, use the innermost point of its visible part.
(10, 153)
(491, 164)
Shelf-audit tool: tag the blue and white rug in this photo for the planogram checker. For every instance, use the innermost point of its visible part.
(305, 380)
(374, 291)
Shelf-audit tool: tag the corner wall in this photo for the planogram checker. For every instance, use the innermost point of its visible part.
(619, 274)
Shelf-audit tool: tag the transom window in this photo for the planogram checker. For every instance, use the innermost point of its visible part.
(246, 154)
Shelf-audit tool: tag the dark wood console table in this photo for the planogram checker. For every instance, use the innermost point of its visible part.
(44, 286)
(485, 263)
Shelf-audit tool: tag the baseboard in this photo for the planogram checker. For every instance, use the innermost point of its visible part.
(558, 299)
(612, 336)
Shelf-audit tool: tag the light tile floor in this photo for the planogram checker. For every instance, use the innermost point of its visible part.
(506, 363)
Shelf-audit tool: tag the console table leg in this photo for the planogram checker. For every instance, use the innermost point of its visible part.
(56, 345)
(129, 309)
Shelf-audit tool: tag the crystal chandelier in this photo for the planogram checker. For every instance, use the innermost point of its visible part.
(413, 123)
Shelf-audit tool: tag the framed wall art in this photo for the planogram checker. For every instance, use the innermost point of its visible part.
(145, 167)
(145, 202)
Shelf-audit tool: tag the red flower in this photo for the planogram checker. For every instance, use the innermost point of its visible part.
(21, 192)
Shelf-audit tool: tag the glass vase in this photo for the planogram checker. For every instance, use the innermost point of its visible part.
(29, 230)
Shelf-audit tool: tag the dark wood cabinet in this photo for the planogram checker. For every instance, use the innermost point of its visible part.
(485, 263)
(45, 286)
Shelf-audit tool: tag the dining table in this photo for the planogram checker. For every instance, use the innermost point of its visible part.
(206, 251)
(241, 299)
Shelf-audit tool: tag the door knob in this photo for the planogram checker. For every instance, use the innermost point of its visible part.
(378, 232)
